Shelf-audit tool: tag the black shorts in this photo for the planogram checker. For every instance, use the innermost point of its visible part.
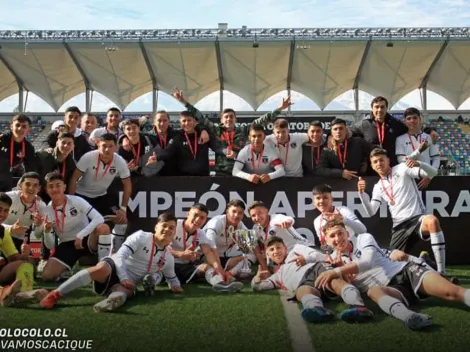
(309, 280)
(185, 272)
(107, 204)
(408, 281)
(406, 234)
(104, 288)
(68, 255)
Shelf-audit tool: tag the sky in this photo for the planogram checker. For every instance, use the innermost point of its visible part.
(139, 14)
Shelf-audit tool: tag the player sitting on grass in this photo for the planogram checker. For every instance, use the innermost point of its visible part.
(142, 256)
(392, 285)
(16, 270)
(297, 271)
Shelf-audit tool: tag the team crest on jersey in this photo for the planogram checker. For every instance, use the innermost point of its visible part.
(293, 145)
(272, 232)
(73, 212)
(264, 159)
(112, 170)
(358, 254)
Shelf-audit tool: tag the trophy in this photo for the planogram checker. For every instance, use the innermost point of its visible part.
(246, 240)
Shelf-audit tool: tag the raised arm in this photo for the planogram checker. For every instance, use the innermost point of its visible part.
(371, 207)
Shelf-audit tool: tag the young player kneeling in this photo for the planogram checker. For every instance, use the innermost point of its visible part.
(392, 285)
(142, 256)
(297, 272)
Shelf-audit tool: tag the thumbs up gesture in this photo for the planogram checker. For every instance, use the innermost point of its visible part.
(17, 229)
(361, 185)
(152, 159)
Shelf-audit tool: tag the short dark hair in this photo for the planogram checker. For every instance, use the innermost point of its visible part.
(273, 240)
(201, 207)
(322, 189)
(31, 174)
(113, 109)
(63, 135)
(281, 123)
(163, 112)
(73, 109)
(166, 216)
(128, 122)
(225, 111)
(378, 152)
(378, 99)
(5, 198)
(316, 124)
(108, 137)
(186, 113)
(236, 203)
(53, 176)
(410, 112)
(21, 118)
(338, 121)
(256, 127)
(257, 204)
(332, 223)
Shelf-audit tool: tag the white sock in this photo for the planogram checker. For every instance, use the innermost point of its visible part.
(466, 297)
(351, 296)
(118, 236)
(80, 279)
(213, 279)
(104, 246)
(394, 307)
(438, 245)
(118, 294)
(311, 301)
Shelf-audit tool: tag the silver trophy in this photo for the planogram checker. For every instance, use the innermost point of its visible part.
(246, 240)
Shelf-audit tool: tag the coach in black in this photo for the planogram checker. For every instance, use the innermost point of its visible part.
(380, 129)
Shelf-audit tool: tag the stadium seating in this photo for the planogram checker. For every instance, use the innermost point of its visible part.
(36, 130)
(454, 141)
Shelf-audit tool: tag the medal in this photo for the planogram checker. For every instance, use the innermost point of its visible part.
(392, 202)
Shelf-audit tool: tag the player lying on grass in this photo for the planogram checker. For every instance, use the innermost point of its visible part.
(16, 271)
(298, 269)
(142, 257)
(392, 285)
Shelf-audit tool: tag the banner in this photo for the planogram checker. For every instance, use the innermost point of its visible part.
(447, 197)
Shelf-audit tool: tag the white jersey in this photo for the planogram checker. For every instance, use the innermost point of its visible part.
(289, 275)
(183, 240)
(353, 224)
(267, 162)
(215, 235)
(407, 147)
(139, 256)
(290, 152)
(375, 268)
(95, 182)
(402, 188)
(19, 211)
(72, 221)
(289, 236)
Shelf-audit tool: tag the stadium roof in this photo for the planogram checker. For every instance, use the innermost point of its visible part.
(252, 63)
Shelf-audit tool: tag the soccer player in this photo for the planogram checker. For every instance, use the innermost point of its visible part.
(185, 245)
(392, 285)
(289, 146)
(313, 149)
(417, 145)
(113, 118)
(297, 271)
(144, 255)
(233, 137)
(221, 252)
(258, 162)
(76, 224)
(16, 271)
(16, 152)
(88, 124)
(278, 225)
(95, 172)
(398, 189)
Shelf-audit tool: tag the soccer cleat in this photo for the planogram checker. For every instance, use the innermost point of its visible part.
(232, 287)
(317, 315)
(50, 300)
(108, 304)
(418, 321)
(32, 296)
(356, 314)
(8, 293)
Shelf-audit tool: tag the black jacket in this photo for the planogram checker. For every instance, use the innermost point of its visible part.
(147, 143)
(357, 157)
(81, 144)
(367, 129)
(310, 156)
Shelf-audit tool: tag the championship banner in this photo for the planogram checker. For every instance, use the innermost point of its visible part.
(447, 197)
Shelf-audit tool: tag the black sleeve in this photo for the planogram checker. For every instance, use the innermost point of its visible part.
(51, 140)
(324, 168)
(170, 151)
(357, 129)
(30, 158)
(399, 127)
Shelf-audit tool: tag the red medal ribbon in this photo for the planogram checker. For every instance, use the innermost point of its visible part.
(411, 141)
(380, 133)
(342, 157)
(193, 151)
(60, 225)
(389, 195)
(163, 140)
(108, 165)
(136, 154)
(12, 153)
(229, 138)
(185, 237)
(312, 152)
(260, 156)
